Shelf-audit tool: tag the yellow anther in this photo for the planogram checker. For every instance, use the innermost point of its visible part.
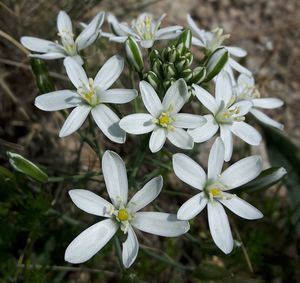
(123, 215)
(164, 119)
(215, 192)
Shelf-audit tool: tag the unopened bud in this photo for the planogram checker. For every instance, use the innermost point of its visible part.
(186, 38)
(134, 54)
(169, 70)
(215, 63)
(153, 80)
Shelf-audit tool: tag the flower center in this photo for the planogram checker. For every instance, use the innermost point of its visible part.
(88, 93)
(228, 114)
(217, 38)
(143, 27)
(164, 119)
(215, 192)
(67, 39)
(249, 92)
(123, 214)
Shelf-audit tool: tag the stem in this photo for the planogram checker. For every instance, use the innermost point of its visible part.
(119, 251)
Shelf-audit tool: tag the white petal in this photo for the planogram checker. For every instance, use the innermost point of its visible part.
(90, 202)
(108, 122)
(48, 56)
(118, 96)
(236, 51)
(205, 132)
(150, 99)
(265, 119)
(157, 139)
(137, 124)
(246, 132)
(206, 99)
(224, 90)
(267, 103)
(238, 67)
(188, 121)
(57, 100)
(120, 39)
(195, 29)
(75, 120)
(90, 32)
(115, 177)
(219, 226)
(226, 137)
(176, 96)
(241, 207)
(90, 241)
(161, 224)
(147, 194)
(75, 73)
(216, 159)
(114, 24)
(242, 172)
(245, 81)
(130, 248)
(147, 43)
(244, 107)
(64, 24)
(109, 72)
(197, 42)
(180, 138)
(192, 207)
(189, 171)
(163, 31)
(40, 45)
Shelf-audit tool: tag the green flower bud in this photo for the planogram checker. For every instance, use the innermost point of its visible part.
(26, 167)
(189, 56)
(153, 80)
(172, 55)
(134, 54)
(186, 38)
(168, 83)
(180, 48)
(199, 74)
(154, 54)
(157, 67)
(215, 63)
(169, 70)
(186, 74)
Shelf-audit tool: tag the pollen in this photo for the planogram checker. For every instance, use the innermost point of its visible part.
(215, 192)
(164, 119)
(123, 215)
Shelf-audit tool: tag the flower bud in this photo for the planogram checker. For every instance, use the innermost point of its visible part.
(168, 83)
(153, 80)
(186, 74)
(186, 38)
(154, 54)
(26, 167)
(134, 54)
(199, 74)
(215, 63)
(169, 70)
(172, 55)
(181, 64)
(157, 67)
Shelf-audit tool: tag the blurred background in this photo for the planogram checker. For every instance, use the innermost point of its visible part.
(38, 221)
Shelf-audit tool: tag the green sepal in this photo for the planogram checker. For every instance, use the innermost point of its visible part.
(134, 54)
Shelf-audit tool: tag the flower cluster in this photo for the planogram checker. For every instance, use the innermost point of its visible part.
(166, 91)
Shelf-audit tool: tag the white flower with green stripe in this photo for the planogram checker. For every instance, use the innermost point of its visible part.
(213, 190)
(69, 47)
(90, 96)
(120, 214)
(163, 119)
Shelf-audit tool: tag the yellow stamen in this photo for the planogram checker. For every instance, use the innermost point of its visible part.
(215, 192)
(164, 119)
(123, 215)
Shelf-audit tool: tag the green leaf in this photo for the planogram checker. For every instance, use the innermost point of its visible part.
(26, 167)
(266, 179)
(43, 80)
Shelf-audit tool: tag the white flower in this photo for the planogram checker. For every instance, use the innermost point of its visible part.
(68, 47)
(213, 189)
(164, 121)
(120, 214)
(227, 115)
(211, 41)
(91, 96)
(246, 90)
(144, 30)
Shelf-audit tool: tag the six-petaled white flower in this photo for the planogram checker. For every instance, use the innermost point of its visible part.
(227, 115)
(91, 96)
(246, 90)
(210, 41)
(164, 121)
(120, 214)
(69, 47)
(144, 29)
(214, 187)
